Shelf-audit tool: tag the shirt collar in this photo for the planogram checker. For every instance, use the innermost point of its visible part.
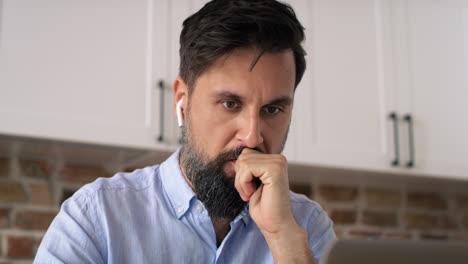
(244, 215)
(179, 191)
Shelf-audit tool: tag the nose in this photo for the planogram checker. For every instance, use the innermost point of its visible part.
(250, 133)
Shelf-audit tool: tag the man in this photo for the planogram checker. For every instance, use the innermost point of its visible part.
(224, 196)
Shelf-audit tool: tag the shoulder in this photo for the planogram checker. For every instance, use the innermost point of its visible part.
(303, 207)
(138, 180)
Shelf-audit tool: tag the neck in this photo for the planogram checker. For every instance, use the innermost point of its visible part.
(221, 227)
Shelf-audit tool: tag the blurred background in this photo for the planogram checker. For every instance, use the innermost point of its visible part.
(379, 129)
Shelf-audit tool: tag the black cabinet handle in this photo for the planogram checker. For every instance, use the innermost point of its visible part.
(393, 116)
(409, 119)
(161, 111)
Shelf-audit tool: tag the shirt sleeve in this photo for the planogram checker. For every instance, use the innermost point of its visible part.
(320, 234)
(72, 236)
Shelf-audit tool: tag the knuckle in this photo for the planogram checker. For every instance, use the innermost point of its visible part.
(242, 158)
(280, 159)
(283, 158)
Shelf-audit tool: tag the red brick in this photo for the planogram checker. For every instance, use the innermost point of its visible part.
(305, 189)
(4, 167)
(82, 174)
(364, 234)
(340, 234)
(426, 200)
(423, 221)
(20, 247)
(433, 237)
(343, 217)
(379, 198)
(34, 220)
(335, 193)
(383, 219)
(465, 221)
(459, 236)
(397, 235)
(461, 201)
(11, 192)
(40, 194)
(35, 168)
(4, 217)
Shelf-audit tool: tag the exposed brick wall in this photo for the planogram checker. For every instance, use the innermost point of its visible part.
(32, 190)
(404, 212)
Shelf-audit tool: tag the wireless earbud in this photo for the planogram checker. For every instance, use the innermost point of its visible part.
(180, 121)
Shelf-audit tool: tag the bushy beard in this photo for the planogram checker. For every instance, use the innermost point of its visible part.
(211, 184)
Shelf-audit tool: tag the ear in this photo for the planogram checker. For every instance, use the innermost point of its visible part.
(180, 90)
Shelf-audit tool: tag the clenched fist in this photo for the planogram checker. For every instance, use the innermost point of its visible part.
(269, 203)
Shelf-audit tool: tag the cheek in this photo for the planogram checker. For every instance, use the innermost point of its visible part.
(274, 134)
(212, 132)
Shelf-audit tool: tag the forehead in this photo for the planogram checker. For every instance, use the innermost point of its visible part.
(244, 72)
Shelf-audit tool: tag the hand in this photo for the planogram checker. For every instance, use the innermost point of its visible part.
(269, 204)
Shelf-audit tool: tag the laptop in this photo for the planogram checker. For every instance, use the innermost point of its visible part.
(396, 251)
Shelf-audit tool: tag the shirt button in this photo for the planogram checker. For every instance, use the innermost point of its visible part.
(180, 209)
(199, 207)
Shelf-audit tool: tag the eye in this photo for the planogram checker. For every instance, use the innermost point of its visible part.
(230, 105)
(271, 110)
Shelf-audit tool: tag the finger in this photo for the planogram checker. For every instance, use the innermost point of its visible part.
(249, 151)
(239, 186)
(245, 179)
(256, 196)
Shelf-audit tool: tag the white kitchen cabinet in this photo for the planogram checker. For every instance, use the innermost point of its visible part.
(431, 41)
(369, 58)
(90, 71)
(84, 71)
(342, 106)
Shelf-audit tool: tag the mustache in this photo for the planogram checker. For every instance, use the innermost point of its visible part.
(234, 154)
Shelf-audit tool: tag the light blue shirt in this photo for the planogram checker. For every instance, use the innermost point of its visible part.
(152, 215)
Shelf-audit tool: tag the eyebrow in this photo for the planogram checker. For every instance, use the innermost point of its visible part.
(282, 100)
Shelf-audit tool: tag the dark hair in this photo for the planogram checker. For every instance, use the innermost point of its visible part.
(224, 25)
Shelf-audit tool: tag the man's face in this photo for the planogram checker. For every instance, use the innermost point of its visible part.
(234, 106)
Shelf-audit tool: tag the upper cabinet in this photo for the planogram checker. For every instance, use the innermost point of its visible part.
(342, 105)
(431, 55)
(85, 71)
(386, 87)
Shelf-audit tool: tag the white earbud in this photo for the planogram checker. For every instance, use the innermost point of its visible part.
(179, 112)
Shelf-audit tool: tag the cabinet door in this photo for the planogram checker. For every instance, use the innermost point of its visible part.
(79, 70)
(437, 98)
(342, 113)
